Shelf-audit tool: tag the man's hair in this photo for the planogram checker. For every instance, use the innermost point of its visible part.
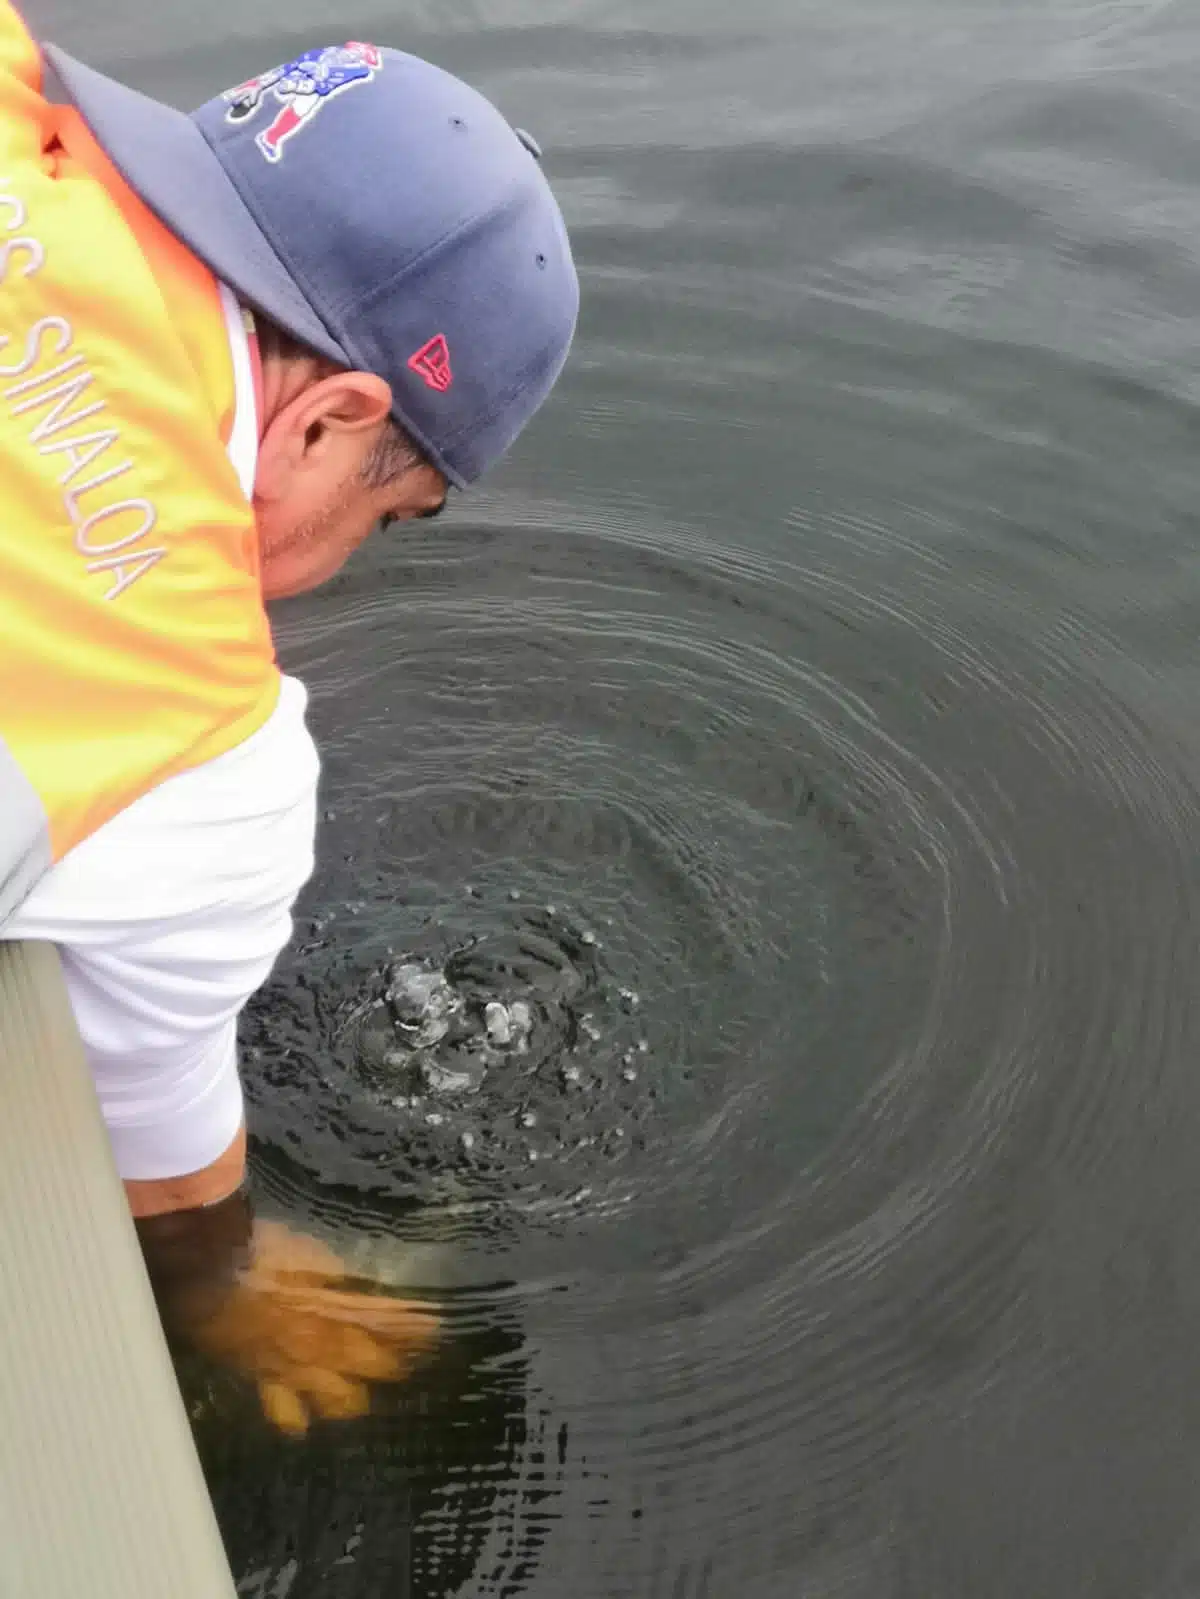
(393, 453)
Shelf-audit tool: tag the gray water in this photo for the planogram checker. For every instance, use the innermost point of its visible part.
(828, 654)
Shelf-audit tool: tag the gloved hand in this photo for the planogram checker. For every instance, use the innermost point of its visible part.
(287, 1318)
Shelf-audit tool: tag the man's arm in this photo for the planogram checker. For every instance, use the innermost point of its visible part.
(168, 919)
(156, 1196)
(194, 1230)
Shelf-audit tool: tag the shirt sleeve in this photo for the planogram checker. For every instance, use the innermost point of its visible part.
(168, 918)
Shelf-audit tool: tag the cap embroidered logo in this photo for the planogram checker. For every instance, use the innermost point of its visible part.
(301, 87)
(432, 362)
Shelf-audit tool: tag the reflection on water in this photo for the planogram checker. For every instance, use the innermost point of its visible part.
(409, 1501)
(829, 654)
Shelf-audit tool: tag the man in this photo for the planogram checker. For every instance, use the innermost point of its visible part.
(231, 345)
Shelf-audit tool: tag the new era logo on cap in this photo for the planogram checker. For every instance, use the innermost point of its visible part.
(432, 362)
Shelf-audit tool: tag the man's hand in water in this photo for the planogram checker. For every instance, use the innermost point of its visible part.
(277, 1306)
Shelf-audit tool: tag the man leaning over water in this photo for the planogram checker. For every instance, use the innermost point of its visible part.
(230, 345)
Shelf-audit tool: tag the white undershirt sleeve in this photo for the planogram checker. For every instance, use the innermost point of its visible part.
(168, 918)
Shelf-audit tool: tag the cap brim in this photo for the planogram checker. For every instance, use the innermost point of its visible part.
(167, 161)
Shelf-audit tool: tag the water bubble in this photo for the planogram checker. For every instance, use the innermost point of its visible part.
(431, 1031)
(643, 1046)
(467, 1141)
(434, 1118)
(629, 1075)
(534, 1157)
(422, 1002)
(587, 936)
(498, 1022)
(571, 1074)
(442, 1079)
(514, 894)
(529, 1119)
(412, 987)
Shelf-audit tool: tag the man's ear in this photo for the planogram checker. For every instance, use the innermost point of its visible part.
(345, 409)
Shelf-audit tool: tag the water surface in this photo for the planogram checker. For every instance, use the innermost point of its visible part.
(828, 655)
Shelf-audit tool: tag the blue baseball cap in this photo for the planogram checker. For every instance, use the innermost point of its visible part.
(381, 211)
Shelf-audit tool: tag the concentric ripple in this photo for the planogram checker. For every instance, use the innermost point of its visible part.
(749, 969)
(868, 1039)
